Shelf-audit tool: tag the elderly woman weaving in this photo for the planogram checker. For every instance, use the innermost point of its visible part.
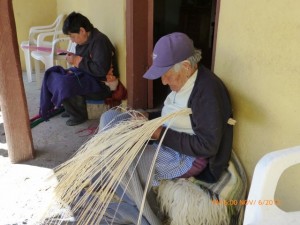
(197, 145)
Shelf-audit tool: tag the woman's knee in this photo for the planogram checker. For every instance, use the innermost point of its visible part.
(112, 117)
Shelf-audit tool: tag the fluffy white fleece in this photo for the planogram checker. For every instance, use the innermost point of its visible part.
(187, 204)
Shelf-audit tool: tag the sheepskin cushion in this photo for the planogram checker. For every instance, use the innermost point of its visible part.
(187, 203)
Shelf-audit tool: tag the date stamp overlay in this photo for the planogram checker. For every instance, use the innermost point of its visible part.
(245, 202)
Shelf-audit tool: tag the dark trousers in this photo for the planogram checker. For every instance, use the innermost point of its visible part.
(76, 105)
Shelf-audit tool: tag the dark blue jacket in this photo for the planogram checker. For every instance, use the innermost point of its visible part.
(98, 55)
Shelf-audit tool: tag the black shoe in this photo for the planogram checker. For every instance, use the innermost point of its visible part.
(73, 122)
(65, 115)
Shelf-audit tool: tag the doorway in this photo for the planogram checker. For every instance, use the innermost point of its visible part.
(196, 18)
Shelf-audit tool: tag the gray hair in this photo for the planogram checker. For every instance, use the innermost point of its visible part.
(193, 60)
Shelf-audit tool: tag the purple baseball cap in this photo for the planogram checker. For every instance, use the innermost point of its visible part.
(169, 50)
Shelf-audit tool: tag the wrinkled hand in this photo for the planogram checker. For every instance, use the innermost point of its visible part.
(73, 59)
(156, 134)
(70, 58)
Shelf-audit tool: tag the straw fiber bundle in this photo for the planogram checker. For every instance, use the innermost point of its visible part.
(99, 165)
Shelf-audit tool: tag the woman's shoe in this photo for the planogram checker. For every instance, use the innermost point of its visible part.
(73, 122)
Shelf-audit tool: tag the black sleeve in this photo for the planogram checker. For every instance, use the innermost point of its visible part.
(99, 61)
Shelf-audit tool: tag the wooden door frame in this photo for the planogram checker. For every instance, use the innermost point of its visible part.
(218, 4)
(139, 33)
(139, 45)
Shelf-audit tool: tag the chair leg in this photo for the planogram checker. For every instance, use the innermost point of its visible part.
(28, 64)
(37, 73)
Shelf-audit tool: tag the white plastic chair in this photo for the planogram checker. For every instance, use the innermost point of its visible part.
(31, 43)
(263, 209)
(52, 56)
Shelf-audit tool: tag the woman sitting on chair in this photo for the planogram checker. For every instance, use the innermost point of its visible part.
(94, 59)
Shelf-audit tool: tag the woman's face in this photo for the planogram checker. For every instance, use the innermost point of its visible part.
(79, 38)
(175, 79)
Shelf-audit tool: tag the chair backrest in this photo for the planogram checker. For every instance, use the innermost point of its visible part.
(32, 43)
(36, 30)
(262, 208)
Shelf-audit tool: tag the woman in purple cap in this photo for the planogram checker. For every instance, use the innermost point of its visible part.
(205, 134)
(197, 145)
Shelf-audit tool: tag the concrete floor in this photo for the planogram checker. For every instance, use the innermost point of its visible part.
(24, 189)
